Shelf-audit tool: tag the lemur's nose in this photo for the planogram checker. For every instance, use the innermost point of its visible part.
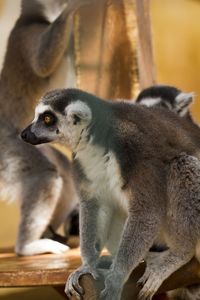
(28, 136)
(24, 135)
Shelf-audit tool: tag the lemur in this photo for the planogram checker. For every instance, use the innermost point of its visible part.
(171, 98)
(179, 102)
(138, 174)
(168, 97)
(39, 54)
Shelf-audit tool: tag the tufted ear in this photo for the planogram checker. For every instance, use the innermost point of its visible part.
(183, 102)
(78, 111)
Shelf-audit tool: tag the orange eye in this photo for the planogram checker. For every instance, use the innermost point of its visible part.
(47, 120)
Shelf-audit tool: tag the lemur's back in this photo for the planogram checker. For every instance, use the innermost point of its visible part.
(161, 134)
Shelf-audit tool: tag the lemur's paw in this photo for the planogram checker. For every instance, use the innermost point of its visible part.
(73, 287)
(58, 248)
(151, 283)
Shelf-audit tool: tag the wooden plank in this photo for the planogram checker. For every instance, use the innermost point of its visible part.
(39, 270)
(145, 50)
(53, 270)
(109, 68)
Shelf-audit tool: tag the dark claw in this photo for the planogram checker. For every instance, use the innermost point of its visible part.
(140, 283)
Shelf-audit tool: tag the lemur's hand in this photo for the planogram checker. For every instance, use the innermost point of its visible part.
(72, 286)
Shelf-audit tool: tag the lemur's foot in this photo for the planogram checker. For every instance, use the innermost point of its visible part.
(151, 283)
(42, 246)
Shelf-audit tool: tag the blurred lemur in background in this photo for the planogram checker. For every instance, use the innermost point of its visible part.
(39, 57)
(167, 97)
(179, 102)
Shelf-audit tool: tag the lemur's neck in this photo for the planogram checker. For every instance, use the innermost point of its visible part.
(80, 142)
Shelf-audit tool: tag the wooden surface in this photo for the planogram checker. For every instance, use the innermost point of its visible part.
(53, 270)
(40, 270)
(145, 49)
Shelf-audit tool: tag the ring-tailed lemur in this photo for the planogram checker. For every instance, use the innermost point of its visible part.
(179, 102)
(168, 97)
(138, 172)
(39, 53)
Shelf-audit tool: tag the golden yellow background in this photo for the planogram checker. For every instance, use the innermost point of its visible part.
(176, 41)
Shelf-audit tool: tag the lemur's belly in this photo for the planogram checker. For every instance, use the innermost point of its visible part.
(105, 185)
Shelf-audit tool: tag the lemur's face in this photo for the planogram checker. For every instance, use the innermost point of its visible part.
(58, 120)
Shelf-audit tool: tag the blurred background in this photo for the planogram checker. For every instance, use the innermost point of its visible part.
(176, 45)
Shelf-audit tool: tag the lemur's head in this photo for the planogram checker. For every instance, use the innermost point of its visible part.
(167, 97)
(61, 116)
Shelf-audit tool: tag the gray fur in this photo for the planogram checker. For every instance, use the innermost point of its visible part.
(167, 97)
(138, 173)
(40, 178)
(178, 102)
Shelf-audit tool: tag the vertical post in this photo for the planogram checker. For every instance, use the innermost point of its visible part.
(145, 51)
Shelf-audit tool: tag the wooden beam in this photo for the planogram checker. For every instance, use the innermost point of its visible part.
(53, 270)
(185, 276)
(145, 49)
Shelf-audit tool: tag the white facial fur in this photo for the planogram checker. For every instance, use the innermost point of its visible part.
(71, 126)
(79, 108)
(150, 101)
(73, 132)
(41, 108)
(183, 100)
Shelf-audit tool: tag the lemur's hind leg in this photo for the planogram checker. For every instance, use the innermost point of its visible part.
(183, 220)
(64, 208)
(41, 187)
(68, 200)
(163, 266)
(36, 214)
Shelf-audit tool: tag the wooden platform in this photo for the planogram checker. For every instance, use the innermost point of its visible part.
(53, 270)
(38, 270)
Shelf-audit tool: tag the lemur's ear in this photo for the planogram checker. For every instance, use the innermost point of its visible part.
(183, 102)
(78, 111)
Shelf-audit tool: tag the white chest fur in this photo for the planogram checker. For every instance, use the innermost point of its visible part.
(104, 175)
